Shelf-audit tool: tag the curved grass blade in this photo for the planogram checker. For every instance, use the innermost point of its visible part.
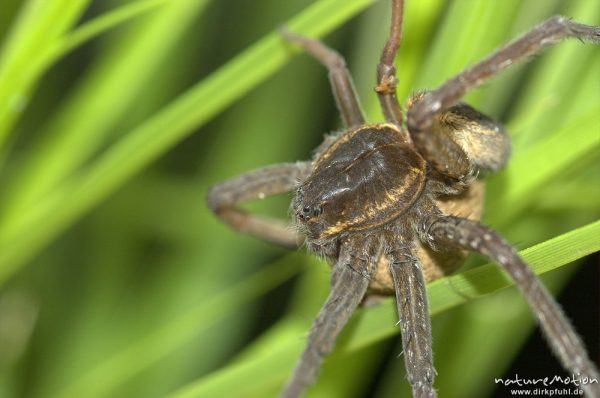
(39, 24)
(110, 89)
(157, 344)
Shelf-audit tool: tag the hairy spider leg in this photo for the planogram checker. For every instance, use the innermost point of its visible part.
(473, 236)
(422, 114)
(225, 197)
(350, 279)
(415, 323)
(386, 69)
(341, 82)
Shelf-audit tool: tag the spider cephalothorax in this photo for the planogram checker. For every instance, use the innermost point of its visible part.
(394, 205)
(365, 178)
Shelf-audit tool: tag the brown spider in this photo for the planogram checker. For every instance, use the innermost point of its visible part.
(397, 204)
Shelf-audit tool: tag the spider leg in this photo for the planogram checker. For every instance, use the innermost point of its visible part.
(415, 323)
(386, 69)
(470, 235)
(223, 199)
(461, 141)
(341, 82)
(349, 281)
(551, 31)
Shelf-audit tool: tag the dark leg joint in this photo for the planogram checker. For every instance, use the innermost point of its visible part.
(386, 70)
(386, 80)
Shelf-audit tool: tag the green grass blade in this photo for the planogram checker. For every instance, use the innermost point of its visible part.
(100, 25)
(39, 24)
(261, 375)
(550, 77)
(157, 344)
(110, 89)
(544, 162)
(556, 152)
(543, 258)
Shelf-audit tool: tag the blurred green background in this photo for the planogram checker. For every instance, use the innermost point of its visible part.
(115, 118)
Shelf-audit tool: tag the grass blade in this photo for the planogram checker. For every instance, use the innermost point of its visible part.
(39, 24)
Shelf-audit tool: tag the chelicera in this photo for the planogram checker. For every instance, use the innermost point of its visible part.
(394, 205)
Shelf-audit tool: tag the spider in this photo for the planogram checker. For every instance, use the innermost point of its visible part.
(394, 205)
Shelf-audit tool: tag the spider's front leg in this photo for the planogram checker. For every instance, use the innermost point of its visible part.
(459, 233)
(224, 198)
(462, 141)
(350, 278)
(415, 323)
(341, 82)
(386, 69)
(422, 115)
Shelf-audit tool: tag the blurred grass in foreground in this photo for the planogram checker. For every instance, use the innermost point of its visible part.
(115, 118)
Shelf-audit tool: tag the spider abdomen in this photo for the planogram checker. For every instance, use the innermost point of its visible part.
(365, 178)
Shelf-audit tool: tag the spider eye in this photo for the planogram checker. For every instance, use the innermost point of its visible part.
(310, 211)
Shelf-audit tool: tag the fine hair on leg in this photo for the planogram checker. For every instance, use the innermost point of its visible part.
(564, 341)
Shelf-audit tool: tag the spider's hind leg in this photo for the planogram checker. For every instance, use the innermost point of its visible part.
(459, 233)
